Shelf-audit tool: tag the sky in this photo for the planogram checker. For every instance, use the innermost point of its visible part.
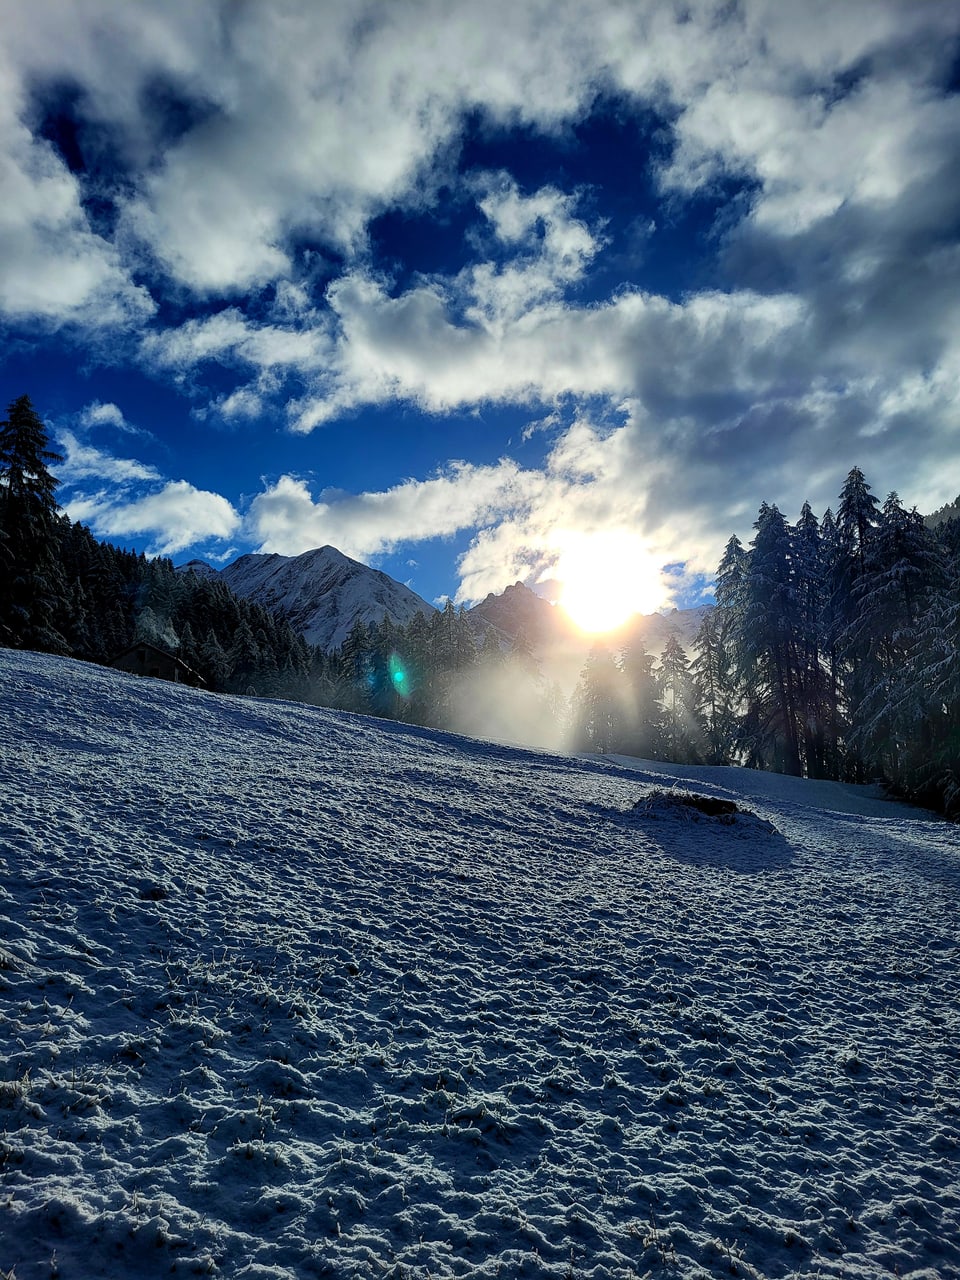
(477, 292)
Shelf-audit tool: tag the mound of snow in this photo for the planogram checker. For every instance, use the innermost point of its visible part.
(689, 806)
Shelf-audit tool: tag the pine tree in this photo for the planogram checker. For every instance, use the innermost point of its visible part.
(682, 723)
(243, 660)
(835, 724)
(769, 661)
(598, 704)
(643, 714)
(34, 600)
(712, 672)
(491, 654)
(731, 586)
(814, 704)
(214, 665)
(522, 658)
(465, 644)
(858, 517)
(892, 599)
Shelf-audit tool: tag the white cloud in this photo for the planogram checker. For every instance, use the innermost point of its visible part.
(324, 119)
(409, 347)
(84, 462)
(311, 119)
(242, 403)
(542, 223)
(285, 518)
(228, 337)
(55, 268)
(177, 516)
(98, 414)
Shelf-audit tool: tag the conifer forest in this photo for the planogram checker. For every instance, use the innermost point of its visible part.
(831, 652)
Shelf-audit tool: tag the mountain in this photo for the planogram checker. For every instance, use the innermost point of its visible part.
(519, 610)
(322, 593)
(288, 992)
(950, 512)
(656, 628)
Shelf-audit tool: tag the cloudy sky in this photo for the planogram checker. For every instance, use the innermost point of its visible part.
(455, 286)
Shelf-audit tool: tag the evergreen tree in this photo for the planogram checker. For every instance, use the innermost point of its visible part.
(682, 724)
(214, 666)
(465, 644)
(243, 660)
(711, 670)
(417, 652)
(812, 677)
(768, 656)
(643, 714)
(491, 654)
(892, 597)
(731, 587)
(598, 704)
(858, 517)
(845, 645)
(835, 724)
(522, 658)
(34, 601)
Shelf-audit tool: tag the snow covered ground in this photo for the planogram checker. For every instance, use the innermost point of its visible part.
(287, 993)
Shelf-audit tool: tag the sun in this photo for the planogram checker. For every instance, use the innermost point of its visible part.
(606, 578)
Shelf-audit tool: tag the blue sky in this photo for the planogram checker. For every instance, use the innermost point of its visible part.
(448, 285)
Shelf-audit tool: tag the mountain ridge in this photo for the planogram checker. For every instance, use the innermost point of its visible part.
(323, 593)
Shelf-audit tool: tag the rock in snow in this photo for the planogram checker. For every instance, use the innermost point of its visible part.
(289, 993)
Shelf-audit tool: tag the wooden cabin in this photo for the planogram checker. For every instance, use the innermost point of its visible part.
(145, 659)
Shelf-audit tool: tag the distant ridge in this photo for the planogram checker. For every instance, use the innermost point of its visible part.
(949, 512)
(545, 626)
(516, 610)
(323, 594)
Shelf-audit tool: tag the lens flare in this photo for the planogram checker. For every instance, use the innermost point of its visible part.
(398, 675)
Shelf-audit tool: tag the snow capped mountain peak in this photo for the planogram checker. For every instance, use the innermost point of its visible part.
(322, 593)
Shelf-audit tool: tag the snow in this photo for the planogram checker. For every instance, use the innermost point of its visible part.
(290, 993)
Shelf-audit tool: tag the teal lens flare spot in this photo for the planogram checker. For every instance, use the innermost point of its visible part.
(398, 674)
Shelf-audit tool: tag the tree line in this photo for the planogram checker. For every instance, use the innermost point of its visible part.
(62, 591)
(832, 651)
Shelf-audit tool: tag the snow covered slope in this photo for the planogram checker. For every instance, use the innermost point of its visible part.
(288, 993)
(323, 593)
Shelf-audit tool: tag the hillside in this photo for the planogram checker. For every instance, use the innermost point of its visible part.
(292, 993)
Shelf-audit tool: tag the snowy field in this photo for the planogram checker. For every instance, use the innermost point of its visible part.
(288, 993)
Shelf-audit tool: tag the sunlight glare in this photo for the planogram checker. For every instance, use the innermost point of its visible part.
(606, 578)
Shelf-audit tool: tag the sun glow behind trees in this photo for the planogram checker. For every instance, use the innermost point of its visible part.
(607, 578)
